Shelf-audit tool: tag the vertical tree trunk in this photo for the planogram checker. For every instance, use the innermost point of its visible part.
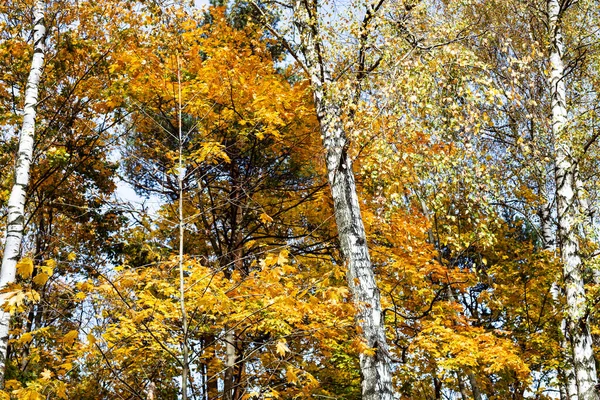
(437, 388)
(230, 359)
(375, 369)
(185, 364)
(548, 235)
(16, 201)
(474, 387)
(461, 386)
(576, 324)
(567, 381)
(236, 250)
(151, 391)
(586, 224)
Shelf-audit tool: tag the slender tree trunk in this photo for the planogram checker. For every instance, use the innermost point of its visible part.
(185, 364)
(461, 386)
(570, 379)
(230, 359)
(375, 369)
(16, 201)
(437, 388)
(568, 383)
(474, 387)
(587, 222)
(548, 236)
(576, 324)
(151, 391)
(230, 385)
(376, 374)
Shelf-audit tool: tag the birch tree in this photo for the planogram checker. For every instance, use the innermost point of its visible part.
(16, 202)
(576, 327)
(375, 368)
(308, 22)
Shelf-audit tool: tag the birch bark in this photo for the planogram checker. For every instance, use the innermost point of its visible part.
(375, 369)
(16, 201)
(576, 324)
(568, 384)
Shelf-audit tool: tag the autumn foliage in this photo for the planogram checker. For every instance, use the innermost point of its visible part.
(179, 170)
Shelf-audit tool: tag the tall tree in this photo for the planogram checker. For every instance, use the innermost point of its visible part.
(308, 19)
(577, 329)
(16, 202)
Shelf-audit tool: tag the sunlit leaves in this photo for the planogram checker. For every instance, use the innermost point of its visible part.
(25, 267)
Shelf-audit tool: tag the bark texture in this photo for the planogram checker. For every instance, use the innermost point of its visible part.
(475, 387)
(16, 201)
(568, 383)
(376, 374)
(375, 369)
(576, 327)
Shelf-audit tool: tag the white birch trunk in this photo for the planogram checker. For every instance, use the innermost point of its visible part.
(576, 324)
(185, 363)
(16, 201)
(567, 374)
(375, 369)
(230, 360)
(376, 373)
(548, 236)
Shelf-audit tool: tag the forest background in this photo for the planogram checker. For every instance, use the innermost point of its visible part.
(363, 199)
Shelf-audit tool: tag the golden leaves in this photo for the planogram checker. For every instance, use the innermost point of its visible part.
(46, 374)
(25, 338)
(70, 337)
(281, 347)
(210, 152)
(265, 218)
(25, 267)
(41, 278)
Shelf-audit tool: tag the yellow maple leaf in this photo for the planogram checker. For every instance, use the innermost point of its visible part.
(25, 267)
(61, 390)
(26, 338)
(91, 339)
(281, 348)
(12, 384)
(291, 376)
(14, 300)
(265, 218)
(46, 374)
(48, 269)
(70, 337)
(41, 278)
(282, 259)
(64, 368)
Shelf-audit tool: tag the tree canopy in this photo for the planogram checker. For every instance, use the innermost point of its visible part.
(248, 200)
